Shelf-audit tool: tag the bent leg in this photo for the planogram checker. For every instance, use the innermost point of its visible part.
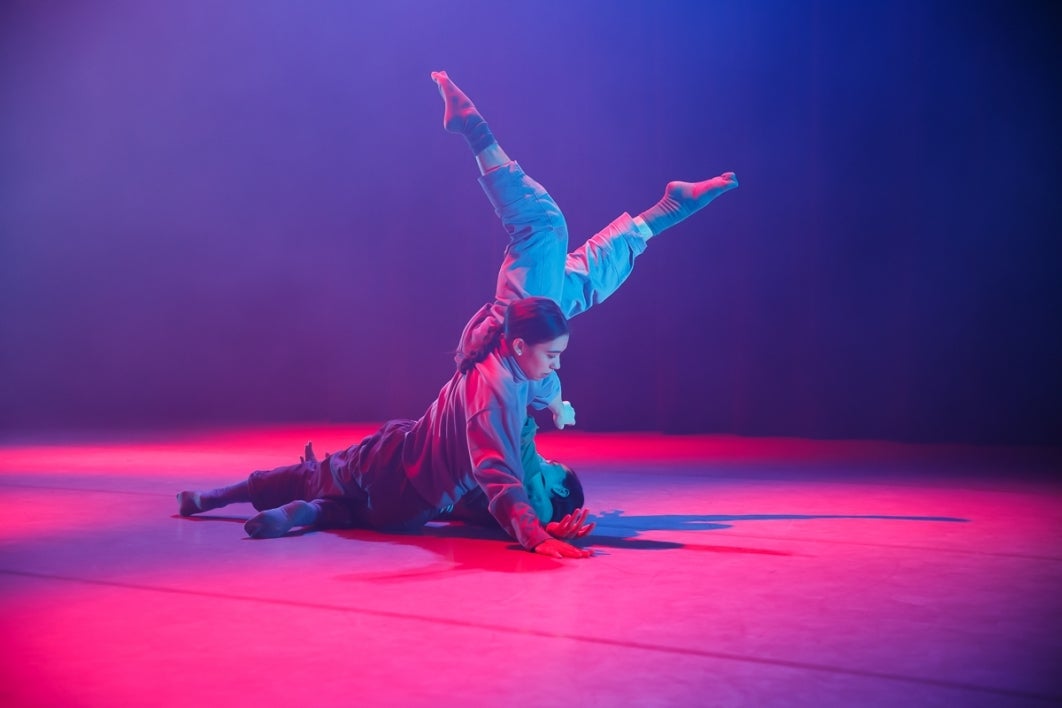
(265, 489)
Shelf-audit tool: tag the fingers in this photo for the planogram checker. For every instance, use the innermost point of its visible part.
(559, 529)
(574, 525)
(547, 552)
(569, 523)
(555, 529)
(570, 551)
(585, 530)
(582, 528)
(559, 549)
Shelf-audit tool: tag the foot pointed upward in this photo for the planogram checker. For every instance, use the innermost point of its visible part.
(460, 114)
(682, 199)
(459, 110)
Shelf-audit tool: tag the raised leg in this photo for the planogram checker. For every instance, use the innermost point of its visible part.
(682, 199)
(461, 116)
(596, 269)
(538, 235)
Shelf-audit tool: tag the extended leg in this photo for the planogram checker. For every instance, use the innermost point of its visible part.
(462, 117)
(592, 272)
(282, 495)
(191, 502)
(596, 269)
(538, 235)
(683, 199)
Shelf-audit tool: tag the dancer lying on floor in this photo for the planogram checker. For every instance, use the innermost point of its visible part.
(409, 471)
(538, 264)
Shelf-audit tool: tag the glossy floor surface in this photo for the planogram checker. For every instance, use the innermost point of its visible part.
(727, 572)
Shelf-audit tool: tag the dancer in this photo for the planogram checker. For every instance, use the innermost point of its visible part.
(536, 263)
(408, 471)
(469, 439)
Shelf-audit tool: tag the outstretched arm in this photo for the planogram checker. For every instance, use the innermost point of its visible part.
(494, 448)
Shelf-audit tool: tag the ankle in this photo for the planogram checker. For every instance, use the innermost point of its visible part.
(682, 199)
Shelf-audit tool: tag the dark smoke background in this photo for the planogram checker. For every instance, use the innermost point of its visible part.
(244, 212)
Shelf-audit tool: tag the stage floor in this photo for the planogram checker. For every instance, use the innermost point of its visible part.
(727, 572)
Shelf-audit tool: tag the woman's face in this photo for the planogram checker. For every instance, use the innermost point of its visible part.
(538, 361)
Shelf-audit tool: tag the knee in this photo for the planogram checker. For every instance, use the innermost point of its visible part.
(541, 225)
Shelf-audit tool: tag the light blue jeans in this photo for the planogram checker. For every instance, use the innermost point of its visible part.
(537, 261)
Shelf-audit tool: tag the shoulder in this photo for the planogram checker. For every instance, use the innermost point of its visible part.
(490, 382)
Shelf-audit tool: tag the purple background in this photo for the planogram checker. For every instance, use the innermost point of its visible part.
(229, 212)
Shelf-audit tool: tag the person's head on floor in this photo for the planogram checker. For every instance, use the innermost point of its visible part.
(565, 489)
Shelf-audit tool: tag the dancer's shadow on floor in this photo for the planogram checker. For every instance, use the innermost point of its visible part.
(457, 546)
(617, 529)
(463, 546)
(470, 546)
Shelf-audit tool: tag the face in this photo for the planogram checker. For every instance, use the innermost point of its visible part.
(538, 361)
(553, 476)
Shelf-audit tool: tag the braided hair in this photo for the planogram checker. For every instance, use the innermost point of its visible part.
(533, 319)
(484, 345)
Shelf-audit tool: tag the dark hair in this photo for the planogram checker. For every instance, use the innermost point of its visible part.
(533, 319)
(562, 506)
